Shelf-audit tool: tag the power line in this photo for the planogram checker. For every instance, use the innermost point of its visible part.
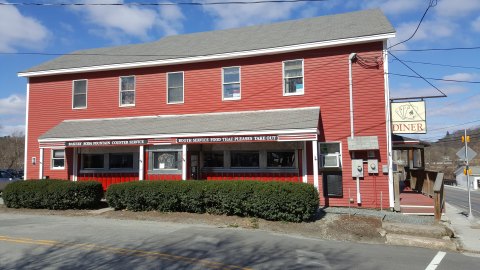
(436, 79)
(438, 64)
(411, 69)
(431, 4)
(438, 49)
(155, 4)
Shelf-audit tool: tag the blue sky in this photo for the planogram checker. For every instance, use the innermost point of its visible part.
(451, 23)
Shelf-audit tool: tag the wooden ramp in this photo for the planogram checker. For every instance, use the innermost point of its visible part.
(414, 203)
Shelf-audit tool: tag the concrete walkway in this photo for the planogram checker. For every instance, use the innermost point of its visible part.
(468, 232)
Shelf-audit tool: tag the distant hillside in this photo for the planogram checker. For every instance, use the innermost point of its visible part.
(441, 155)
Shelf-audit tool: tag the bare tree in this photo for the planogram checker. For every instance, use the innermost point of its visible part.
(12, 150)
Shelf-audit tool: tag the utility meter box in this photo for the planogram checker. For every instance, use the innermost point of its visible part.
(373, 166)
(357, 167)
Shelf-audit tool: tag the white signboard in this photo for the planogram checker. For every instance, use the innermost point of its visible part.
(409, 117)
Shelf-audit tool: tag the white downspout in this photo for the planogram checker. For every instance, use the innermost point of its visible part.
(391, 197)
(351, 57)
(25, 162)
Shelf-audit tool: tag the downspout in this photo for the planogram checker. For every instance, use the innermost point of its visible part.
(351, 58)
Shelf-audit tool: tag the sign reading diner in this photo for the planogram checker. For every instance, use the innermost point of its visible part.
(409, 117)
(231, 139)
(106, 143)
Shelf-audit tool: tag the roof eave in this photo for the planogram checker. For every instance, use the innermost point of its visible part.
(213, 57)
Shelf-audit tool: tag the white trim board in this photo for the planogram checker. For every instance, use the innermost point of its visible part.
(214, 57)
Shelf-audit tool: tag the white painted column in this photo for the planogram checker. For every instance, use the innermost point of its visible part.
(389, 126)
(141, 165)
(25, 162)
(75, 164)
(184, 162)
(40, 165)
(315, 162)
(304, 162)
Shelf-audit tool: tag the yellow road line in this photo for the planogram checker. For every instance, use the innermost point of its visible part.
(133, 252)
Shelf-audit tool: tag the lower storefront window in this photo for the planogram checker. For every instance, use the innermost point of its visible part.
(93, 161)
(166, 160)
(121, 161)
(245, 159)
(213, 159)
(281, 159)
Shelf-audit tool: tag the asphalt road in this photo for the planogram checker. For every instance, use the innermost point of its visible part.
(459, 198)
(54, 242)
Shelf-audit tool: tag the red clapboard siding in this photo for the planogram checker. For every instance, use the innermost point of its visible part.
(326, 85)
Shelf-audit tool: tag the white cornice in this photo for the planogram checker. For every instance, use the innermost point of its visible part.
(214, 57)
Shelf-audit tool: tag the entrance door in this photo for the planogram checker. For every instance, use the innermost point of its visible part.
(194, 166)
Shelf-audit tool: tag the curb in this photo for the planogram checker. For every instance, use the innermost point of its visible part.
(419, 241)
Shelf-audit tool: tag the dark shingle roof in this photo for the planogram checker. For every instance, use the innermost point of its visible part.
(318, 29)
(253, 121)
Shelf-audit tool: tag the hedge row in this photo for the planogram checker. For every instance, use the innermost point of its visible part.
(268, 200)
(53, 194)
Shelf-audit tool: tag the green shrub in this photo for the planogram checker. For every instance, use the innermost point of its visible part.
(53, 194)
(268, 200)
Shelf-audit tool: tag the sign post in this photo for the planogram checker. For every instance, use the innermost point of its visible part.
(468, 154)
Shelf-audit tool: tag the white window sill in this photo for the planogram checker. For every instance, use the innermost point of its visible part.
(293, 94)
(180, 102)
(57, 168)
(80, 108)
(127, 105)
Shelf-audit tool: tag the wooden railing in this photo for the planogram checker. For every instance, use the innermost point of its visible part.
(429, 183)
(438, 197)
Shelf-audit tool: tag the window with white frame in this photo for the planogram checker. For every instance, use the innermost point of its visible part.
(175, 87)
(293, 77)
(127, 91)
(167, 160)
(231, 83)
(79, 94)
(58, 158)
(330, 154)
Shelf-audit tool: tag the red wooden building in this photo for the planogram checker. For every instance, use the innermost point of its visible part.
(300, 101)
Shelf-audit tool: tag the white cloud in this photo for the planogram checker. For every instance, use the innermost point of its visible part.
(461, 77)
(457, 8)
(429, 31)
(11, 129)
(230, 16)
(113, 20)
(17, 30)
(171, 19)
(14, 104)
(407, 91)
(476, 24)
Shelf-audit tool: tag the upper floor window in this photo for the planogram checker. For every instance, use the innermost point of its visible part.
(127, 91)
(231, 83)
(79, 94)
(175, 87)
(58, 159)
(293, 77)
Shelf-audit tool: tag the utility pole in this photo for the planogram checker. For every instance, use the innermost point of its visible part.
(466, 140)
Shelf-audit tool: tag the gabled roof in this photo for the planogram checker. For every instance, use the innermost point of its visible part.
(230, 123)
(228, 43)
